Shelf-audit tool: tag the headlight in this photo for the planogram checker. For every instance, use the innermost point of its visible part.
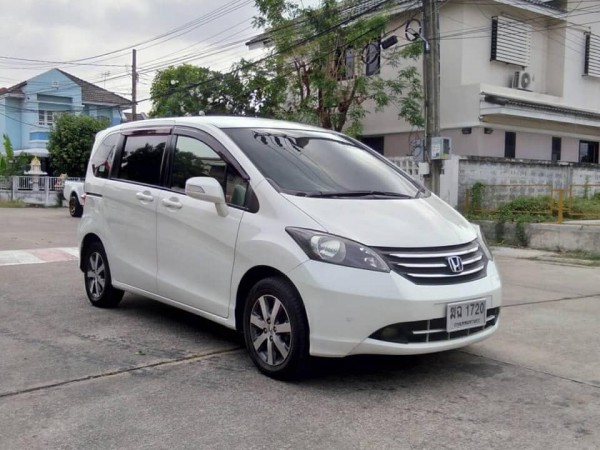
(336, 250)
(483, 242)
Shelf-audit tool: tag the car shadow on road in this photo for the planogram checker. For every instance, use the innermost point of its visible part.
(175, 320)
(359, 367)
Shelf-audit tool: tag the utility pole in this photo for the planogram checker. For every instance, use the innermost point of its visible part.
(133, 86)
(431, 71)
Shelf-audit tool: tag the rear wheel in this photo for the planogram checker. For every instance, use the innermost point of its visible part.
(276, 329)
(98, 282)
(75, 209)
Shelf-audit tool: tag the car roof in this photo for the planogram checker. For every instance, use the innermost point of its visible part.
(221, 122)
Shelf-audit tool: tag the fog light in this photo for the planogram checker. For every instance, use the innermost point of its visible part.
(389, 333)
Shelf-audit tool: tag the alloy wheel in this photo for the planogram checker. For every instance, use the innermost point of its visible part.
(96, 275)
(270, 330)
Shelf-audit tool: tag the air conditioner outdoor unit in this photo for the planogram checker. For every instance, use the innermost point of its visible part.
(522, 80)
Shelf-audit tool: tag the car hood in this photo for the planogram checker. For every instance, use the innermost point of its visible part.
(422, 222)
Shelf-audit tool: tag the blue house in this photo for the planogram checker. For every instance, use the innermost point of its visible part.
(28, 109)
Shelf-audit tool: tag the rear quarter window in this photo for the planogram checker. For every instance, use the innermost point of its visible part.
(102, 159)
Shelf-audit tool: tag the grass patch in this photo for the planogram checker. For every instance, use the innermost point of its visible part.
(586, 206)
(12, 204)
(579, 258)
(589, 256)
(537, 210)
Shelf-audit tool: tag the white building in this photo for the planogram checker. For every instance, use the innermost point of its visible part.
(519, 79)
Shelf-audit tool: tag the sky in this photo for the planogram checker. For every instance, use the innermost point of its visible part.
(38, 35)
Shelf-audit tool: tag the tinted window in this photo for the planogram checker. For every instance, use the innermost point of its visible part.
(142, 158)
(588, 151)
(103, 157)
(510, 144)
(194, 158)
(556, 148)
(312, 162)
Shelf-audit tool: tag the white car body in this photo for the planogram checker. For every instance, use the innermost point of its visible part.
(185, 252)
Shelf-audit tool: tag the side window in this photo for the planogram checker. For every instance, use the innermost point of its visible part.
(103, 157)
(142, 158)
(194, 158)
(372, 58)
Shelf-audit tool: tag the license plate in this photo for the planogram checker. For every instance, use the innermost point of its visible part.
(464, 315)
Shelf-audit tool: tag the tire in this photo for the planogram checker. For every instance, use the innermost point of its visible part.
(276, 329)
(75, 209)
(98, 282)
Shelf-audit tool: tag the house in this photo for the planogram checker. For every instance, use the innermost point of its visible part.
(519, 79)
(28, 109)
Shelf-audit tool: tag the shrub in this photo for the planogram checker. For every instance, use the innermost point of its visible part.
(526, 209)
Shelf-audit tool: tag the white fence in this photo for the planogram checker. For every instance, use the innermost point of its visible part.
(33, 190)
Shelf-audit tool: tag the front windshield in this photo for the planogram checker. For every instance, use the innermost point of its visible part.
(321, 164)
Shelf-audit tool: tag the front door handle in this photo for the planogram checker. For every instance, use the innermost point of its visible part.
(172, 204)
(145, 196)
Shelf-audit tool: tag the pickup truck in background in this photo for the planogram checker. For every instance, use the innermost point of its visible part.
(73, 191)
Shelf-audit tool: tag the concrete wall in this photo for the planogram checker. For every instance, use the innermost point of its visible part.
(508, 179)
(544, 236)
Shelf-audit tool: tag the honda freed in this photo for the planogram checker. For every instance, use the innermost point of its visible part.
(303, 239)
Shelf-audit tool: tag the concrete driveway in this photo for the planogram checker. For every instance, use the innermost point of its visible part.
(148, 376)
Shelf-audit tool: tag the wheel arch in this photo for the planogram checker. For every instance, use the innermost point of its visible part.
(250, 278)
(85, 243)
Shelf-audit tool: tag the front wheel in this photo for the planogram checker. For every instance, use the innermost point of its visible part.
(276, 329)
(98, 282)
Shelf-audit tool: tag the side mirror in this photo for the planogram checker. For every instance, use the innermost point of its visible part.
(209, 190)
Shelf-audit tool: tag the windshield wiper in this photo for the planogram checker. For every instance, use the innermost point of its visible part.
(351, 194)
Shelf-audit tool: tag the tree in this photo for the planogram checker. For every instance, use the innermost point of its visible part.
(192, 90)
(70, 143)
(9, 163)
(324, 53)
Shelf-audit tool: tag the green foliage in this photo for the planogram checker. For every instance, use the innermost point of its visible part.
(585, 206)
(192, 90)
(322, 86)
(476, 193)
(70, 143)
(9, 163)
(535, 209)
(521, 234)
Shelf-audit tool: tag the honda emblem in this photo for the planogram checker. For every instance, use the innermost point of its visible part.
(455, 264)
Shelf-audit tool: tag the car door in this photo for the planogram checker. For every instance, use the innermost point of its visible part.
(196, 246)
(131, 197)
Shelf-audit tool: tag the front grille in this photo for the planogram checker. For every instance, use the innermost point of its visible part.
(433, 330)
(431, 266)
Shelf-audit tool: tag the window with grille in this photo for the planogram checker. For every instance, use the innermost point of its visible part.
(372, 58)
(345, 63)
(46, 118)
(511, 41)
(592, 55)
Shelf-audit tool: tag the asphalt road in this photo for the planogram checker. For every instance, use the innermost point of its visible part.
(147, 376)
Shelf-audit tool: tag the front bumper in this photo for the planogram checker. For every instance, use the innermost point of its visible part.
(345, 306)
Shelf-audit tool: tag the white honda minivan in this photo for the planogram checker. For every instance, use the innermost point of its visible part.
(303, 239)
